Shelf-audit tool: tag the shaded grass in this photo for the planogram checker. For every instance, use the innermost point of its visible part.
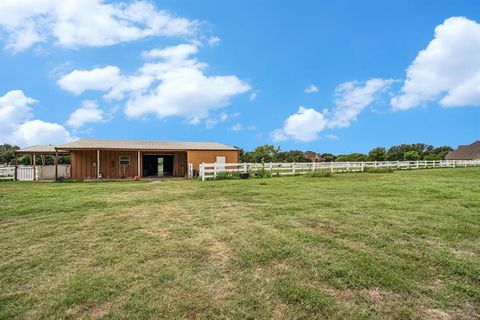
(397, 245)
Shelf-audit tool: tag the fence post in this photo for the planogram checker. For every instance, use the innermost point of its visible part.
(331, 166)
(271, 168)
(202, 171)
(244, 167)
(362, 166)
(293, 167)
(214, 170)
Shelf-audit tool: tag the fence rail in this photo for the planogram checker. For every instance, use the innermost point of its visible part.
(212, 170)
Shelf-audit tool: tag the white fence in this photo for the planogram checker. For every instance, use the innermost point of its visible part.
(26, 173)
(211, 170)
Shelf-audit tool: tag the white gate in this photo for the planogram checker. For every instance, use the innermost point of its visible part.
(25, 173)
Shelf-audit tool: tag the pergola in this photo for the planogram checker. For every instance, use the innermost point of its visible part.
(42, 151)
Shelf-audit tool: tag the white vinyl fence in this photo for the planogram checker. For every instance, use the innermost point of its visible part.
(211, 170)
(25, 173)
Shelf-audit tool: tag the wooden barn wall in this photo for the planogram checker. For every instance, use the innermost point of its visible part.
(179, 164)
(82, 164)
(209, 156)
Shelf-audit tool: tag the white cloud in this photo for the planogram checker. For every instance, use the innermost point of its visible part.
(311, 89)
(350, 99)
(214, 41)
(96, 79)
(448, 70)
(41, 132)
(304, 125)
(89, 112)
(237, 127)
(253, 96)
(16, 126)
(354, 96)
(173, 84)
(76, 23)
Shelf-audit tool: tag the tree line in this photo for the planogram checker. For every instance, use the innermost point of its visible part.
(270, 153)
(403, 152)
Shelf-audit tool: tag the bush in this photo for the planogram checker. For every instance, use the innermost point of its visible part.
(320, 174)
(378, 170)
(227, 175)
(261, 173)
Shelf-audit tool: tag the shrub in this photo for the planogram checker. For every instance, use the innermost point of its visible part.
(262, 173)
(378, 170)
(320, 174)
(227, 175)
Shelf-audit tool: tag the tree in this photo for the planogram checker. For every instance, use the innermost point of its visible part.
(265, 153)
(411, 156)
(441, 152)
(7, 153)
(291, 156)
(353, 157)
(377, 154)
(327, 157)
(395, 153)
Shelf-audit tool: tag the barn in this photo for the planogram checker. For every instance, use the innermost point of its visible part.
(117, 159)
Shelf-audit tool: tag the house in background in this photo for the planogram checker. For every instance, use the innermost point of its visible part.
(465, 152)
(312, 156)
(115, 159)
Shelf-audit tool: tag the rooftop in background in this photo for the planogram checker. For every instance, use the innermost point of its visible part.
(143, 145)
(43, 148)
(465, 152)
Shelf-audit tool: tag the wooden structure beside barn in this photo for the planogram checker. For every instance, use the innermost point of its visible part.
(117, 159)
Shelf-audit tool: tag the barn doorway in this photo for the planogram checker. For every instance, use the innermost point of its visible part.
(157, 165)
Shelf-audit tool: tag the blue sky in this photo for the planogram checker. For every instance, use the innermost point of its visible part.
(379, 73)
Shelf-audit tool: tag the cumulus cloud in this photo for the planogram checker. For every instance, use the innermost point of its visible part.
(350, 99)
(17, 126)
(89, 112)
(95, 23)
(311, 89)
(171, 84)
(96, 79)
(40, 132)
(304, 125)
(447, 70)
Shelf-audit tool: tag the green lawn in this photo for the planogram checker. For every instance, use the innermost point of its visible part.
(353, 246)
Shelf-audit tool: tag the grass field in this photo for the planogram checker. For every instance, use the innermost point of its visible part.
(401, 245)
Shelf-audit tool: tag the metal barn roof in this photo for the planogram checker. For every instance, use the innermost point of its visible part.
(142, 145)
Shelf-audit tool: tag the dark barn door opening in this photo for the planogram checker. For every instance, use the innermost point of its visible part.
(157, 165)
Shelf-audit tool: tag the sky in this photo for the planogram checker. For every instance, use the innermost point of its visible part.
(329, 76)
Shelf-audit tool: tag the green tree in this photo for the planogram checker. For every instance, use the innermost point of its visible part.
(395, 153)
(441, 152)
(291, 156)
(265, 153)
(377, 154)
(327, 157)
(352, 157)
(411, 155)
(7, 153)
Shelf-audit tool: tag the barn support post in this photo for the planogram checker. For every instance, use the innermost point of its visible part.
(98, 164)
(56, 164)
(16, 166)
(34, 166)
(138, 164)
